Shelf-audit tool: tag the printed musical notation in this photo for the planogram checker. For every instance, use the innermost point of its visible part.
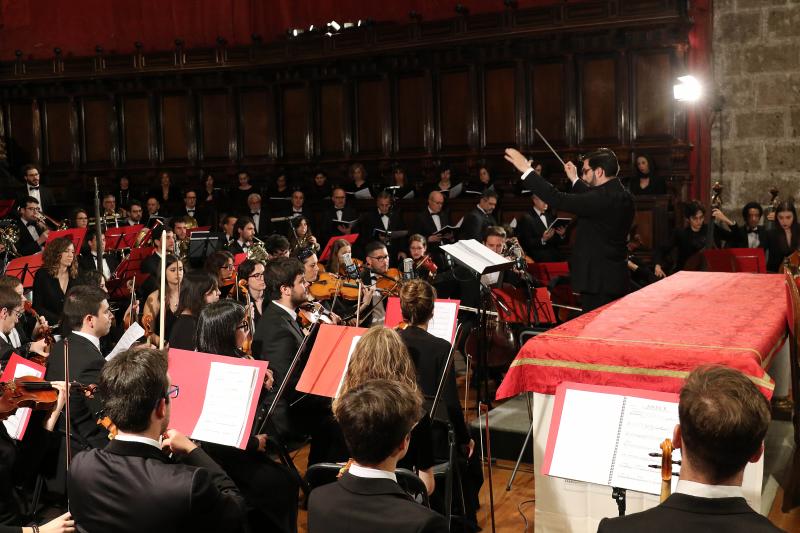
(228, 397)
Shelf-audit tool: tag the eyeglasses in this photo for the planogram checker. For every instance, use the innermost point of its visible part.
(257, 276)
(244, 325)
(172, 392)
(227, 267)
(379, 257)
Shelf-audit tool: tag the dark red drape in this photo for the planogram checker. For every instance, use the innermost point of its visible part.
(699, 65)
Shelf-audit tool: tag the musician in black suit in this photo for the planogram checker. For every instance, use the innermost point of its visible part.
(32, 232)
(598, 265)
(189, 208)
(338, 211)
(476, 221)
(723, 419)
(12, 338)
(131, 485)
(33, 188)
(376, 419)
(87, 260)
(245, 231)
(751, 234)
(152, 263)
(259, 216)
(385, 220)
(540, 244)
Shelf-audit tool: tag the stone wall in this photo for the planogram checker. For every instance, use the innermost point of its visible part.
(757, 74)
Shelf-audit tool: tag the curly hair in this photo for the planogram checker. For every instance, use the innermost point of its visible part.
(379, 354)
(51, 257)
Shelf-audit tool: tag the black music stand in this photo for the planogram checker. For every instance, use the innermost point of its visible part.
(201, 245)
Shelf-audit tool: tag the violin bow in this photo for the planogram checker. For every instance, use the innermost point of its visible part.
(162, 315)
(67, 424)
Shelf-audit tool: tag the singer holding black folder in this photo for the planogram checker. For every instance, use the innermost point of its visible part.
(604, 209)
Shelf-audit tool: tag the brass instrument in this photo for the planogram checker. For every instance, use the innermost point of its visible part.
(9, 236)
(44, 220)
(258, 252)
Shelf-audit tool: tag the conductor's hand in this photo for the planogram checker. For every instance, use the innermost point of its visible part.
(571, 171)
(547, 235)
(177, 442)
(659, 272)
(519, 161)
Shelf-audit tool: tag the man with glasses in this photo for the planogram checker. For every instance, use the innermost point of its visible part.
(11, 339)
(190, 209)
(135, 212)
(32, 233)
(132, 482)
(33, 188)
(598, 265)
(336, 217)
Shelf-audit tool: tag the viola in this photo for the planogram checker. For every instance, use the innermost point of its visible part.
(45, 332)
(313, 312)
(328, 285)
(389, 283)
(666, 468)
(33, 392)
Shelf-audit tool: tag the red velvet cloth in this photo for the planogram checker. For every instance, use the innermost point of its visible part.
(653, 338)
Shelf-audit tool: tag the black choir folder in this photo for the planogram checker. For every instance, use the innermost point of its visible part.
(559, 223)
(603, 435)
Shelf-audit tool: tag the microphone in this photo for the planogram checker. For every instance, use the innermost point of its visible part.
(408, 268)
(350, 268)
(519, 259)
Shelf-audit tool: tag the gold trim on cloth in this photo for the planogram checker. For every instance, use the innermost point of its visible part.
(761, 382)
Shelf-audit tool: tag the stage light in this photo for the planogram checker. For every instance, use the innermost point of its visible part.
(295, 32)
(347, 25)
(335, 25)
(688, 90)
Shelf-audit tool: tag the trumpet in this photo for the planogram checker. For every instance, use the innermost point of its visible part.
(44, 220)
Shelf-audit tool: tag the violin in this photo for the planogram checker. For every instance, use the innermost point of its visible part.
(312, 312)
(329, 284)
(389, 283)
(666, 468)
(425, 262)
(247, 345)
(45, 332)
(357, 262)
(33, 392)
(110, 426)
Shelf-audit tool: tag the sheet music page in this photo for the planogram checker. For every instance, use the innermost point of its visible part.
(442, 323)
(126, 341)
(229, 394)
(587, 436)
(347, 363)
(475, 255)
(16, 423)
(363, 194)
(645, 425)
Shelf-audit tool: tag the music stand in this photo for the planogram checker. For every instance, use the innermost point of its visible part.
(24, 268)
(122, 237)
(201, 245)
(326, 252)
(76, 235)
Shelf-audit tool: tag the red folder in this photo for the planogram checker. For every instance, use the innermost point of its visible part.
(75, 234)
(122, 237)
(238, 259)
(329, 359)
(24, 268)
(18, 423)
(189, 231)
(190, 372)
(326, 252)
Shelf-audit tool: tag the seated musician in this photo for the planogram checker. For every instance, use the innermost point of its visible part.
(784, 239)
(135, 212)
(335, 264)
(268, 488)
(13, 338)
(30, 326)
(723, 419)
(423, 264)
(151, 313)
(245, 230)
(110, 211)
(376, 265)
(540, 244)
(79, 218)
(376, 418)
(221, 265)
(277, 246)
(751, 234)
(180, 227)
(142, 488)
(253, 272)
(228, 227)
(308, 257)
(690, 241)
(198, 289)
(53, 280)
(152, 263)
(87, 260)
(301, 236)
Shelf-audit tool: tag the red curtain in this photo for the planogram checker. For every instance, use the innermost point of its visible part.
(699, 65)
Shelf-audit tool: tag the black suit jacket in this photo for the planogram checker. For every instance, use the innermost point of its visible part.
(598, 264)
(777, 247)
(203, 216)
(277, 339)
(371, 221)
(48, 300)
(26, 245)
(356, 505)
(46, 195)
(739, 237)
(529, 232)
(85, 364)
(133, 487)
(474, 224)
(423, 223)
(86, 261)
(430, 356)
(690, 514)
(328, 228)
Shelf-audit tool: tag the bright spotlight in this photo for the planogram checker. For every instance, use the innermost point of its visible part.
(335, 25)
(688, 90)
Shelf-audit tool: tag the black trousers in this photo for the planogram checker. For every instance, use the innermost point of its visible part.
(591, 301)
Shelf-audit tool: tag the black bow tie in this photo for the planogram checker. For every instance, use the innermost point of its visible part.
(255, 214)
(32, 188)
(755, 230)
(31, 224)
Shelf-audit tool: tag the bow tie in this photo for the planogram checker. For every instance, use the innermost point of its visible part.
(255, 214)
(31, 224)
(32, 188)
(752, 230)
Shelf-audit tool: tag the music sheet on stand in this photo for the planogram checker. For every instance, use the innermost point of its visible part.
(442, 324)
(229, 393)
(606, 438)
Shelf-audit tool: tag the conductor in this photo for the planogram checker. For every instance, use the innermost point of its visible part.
(604, 209)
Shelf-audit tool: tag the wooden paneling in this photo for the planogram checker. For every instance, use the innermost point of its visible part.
(137, 134)
(372, 97)
(653, 80)
(22, 144)
(257, 119)
(331, 119)
(98, 121)
(295, 115)
(548, 84)
(455, 104)
(413, 112)
(499, 106)
(598, 109)
(59, 132)
(217, 125)
(175, 127)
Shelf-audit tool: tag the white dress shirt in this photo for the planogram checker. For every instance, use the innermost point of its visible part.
(437, 220)
(94, 340)
(35, 194)
(384, 221)
(31, 229)
(701, 490)
(291, 312)
(12, 337)
(127, 437)
(370, 473)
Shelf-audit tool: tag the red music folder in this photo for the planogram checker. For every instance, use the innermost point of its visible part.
(442, 325)
(329, 359)
(326, 252)
(75, 234)
(17, 366)
(217, 396)
(238, 259)
(189, 231)
(122, 237)
(24, 268)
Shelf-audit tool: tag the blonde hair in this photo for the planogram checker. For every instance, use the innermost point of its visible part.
(379, 354)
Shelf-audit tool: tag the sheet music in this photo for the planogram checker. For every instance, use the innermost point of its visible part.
(347, 363)
(444, 318)
(363, 194)
(607, 438)
(476, 256)
(455, 190)
(16, 423)
(126, 341)
(227, 401)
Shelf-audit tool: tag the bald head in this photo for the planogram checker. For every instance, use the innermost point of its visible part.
(435, 201)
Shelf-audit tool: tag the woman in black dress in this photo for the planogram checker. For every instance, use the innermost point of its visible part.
(270, 489)
(645, 181)
(253, 272)
(152, 306)
(57, 275)
(198, 289)
(220, 264)
(784, 239)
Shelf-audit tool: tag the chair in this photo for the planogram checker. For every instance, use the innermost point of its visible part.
(718, 260)
(791, 498)
(323, 473)
(749, 260)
